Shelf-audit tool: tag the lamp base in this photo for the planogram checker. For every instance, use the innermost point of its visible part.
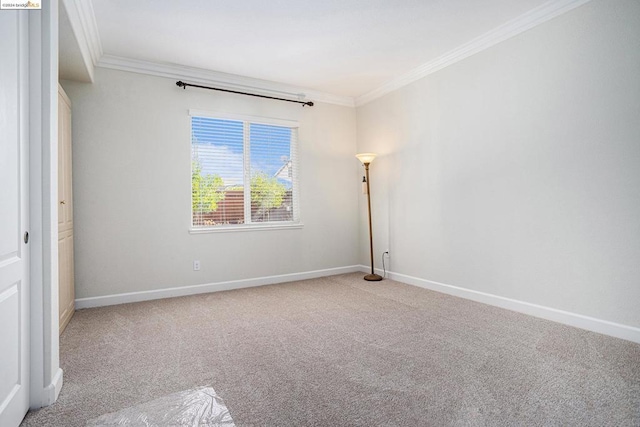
(372, 277)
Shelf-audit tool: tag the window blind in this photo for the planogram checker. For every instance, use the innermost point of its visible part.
(242, 173)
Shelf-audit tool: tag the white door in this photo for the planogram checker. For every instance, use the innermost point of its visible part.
(66, 292)
(14, 251)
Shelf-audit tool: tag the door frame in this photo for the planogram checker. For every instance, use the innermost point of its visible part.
(45, 373)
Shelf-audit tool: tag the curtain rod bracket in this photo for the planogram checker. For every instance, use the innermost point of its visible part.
(184, 85)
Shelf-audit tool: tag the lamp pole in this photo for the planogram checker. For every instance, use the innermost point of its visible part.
(366, 159)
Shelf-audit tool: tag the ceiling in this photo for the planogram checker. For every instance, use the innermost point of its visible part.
(341, 47)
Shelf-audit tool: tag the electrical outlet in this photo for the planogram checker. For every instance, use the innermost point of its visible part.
(196, 265)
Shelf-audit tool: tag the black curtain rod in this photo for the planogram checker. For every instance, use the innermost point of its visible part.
(184, 85)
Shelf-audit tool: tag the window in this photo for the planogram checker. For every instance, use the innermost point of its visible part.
(243, 173)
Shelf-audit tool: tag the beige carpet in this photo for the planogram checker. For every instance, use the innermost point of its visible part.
(339, 351)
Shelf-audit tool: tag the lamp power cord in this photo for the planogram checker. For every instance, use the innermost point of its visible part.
(384, 268)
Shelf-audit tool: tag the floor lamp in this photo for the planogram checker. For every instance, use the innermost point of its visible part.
(366, 159)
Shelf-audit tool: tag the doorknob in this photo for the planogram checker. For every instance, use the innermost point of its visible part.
(26, 237)
(62, 202)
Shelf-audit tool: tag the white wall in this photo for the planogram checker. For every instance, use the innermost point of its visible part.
(516, 172)
(131, 177)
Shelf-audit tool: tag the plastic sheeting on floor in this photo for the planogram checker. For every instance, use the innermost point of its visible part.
(200, 407)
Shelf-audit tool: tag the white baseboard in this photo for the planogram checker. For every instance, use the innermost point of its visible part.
(52, 391)
(605, 327)
(208, 287)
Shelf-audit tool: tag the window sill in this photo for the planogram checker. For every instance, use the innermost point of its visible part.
(251, 227)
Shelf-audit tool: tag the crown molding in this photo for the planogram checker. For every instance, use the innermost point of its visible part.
(220, 79)
(85, 29)
(90, 26)
(522, 23)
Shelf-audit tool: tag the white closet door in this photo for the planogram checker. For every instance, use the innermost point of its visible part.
(65, 212)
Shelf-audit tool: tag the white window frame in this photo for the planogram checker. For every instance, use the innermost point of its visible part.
(247, 120)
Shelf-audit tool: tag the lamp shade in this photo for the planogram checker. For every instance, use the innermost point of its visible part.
(366, 157)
